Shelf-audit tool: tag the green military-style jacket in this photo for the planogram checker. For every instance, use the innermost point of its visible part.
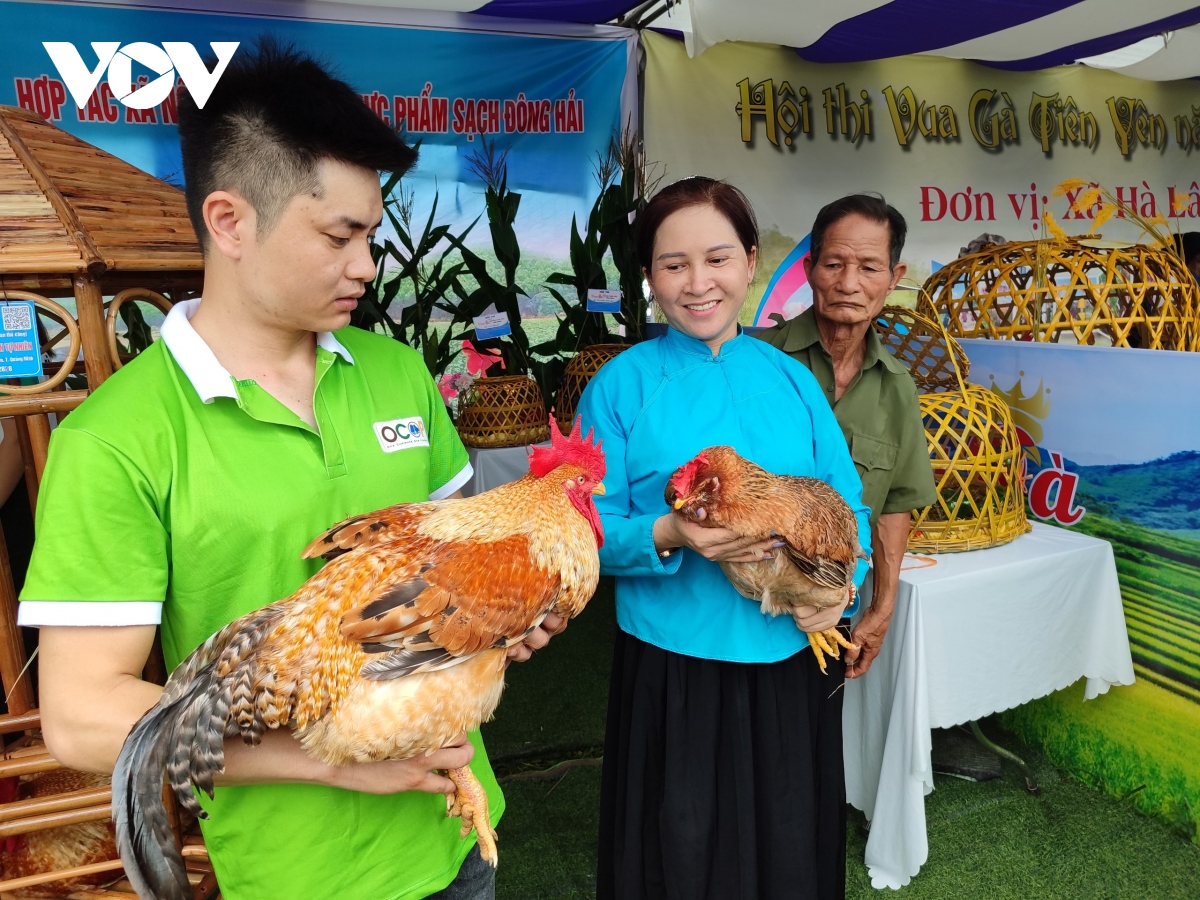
(879, 415)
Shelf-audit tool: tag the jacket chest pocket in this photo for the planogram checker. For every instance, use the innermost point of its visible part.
(875, 460)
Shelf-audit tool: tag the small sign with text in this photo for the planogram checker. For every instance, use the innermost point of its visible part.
(602, 301)
(491, 324)
(20, 350)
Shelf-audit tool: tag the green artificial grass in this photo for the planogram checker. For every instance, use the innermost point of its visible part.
(994, 839)
(987, 841)
(548, 838)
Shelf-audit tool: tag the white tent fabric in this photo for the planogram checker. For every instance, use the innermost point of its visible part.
(1165, 54)
(1180, 58)
(1128, 56)
(708, 22)
(1076, 24)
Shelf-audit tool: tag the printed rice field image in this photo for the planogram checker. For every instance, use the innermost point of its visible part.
(1141, 742)
(1130, 451)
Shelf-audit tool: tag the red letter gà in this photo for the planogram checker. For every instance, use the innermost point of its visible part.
(1052, 494)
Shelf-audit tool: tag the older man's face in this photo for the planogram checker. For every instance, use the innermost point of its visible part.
(852, 279)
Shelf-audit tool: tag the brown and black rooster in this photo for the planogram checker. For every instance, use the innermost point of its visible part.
(392, 649)
(56, 849)
(815, 566)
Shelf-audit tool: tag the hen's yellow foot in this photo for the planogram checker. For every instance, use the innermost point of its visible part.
(470, 804)
(825, 643)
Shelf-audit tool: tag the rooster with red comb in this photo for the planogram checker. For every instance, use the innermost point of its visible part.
(394, 648)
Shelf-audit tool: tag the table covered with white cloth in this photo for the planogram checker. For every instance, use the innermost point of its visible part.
(493, 468)
(973, 634)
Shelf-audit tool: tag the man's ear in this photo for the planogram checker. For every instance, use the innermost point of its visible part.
(230, 221)
(898, 272)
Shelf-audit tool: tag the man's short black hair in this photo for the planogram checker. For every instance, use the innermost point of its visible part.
(273, 116)
(869, 206)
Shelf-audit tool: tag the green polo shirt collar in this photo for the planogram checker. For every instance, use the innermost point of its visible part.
(802, 332)
(206, 374)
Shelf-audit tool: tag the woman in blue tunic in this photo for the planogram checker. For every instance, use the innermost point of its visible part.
(723, 775)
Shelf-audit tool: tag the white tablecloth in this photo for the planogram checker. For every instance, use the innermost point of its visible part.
(975, 634)
(495, 467)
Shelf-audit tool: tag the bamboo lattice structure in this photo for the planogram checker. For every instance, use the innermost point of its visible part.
(114, 307)
(578, 372)
(973, 444)
(78, 223)
(922, 345)
(1070, 291)
(502, 412)
(977, 468)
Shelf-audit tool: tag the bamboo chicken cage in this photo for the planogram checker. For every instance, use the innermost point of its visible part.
(581, 368)
(920, 344)
(506, 411)
(973, 444)
(77, 223)
(1076, 290)
(977, 468)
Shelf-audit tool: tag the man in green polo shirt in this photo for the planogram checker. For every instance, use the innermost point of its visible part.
(853, 265)
(183, 490)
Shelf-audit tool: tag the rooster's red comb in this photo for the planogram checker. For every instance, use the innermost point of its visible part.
(573, 450)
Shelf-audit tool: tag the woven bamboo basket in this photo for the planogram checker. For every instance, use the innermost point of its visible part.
(977, 467)
(502, 412)
(921, 344)
(579, 371)
(973, 446)
(1070, 291)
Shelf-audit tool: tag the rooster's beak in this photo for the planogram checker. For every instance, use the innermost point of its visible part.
(679, 503)
(598, 490)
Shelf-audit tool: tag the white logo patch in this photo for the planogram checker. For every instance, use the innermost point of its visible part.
(400, 434)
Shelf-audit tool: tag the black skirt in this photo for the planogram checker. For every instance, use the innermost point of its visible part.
(721, 781)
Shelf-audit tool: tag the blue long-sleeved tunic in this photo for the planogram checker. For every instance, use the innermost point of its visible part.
(656, 406)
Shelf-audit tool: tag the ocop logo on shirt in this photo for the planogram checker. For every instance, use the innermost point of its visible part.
(400, 434)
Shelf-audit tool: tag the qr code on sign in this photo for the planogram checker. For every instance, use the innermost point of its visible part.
(15, 318)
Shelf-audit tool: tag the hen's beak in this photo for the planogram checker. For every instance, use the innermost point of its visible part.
(679, 501)
(598, 490)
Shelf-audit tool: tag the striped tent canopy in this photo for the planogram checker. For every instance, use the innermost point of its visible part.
(1155, 39)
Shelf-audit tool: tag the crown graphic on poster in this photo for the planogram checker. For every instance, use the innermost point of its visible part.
(1028, 410)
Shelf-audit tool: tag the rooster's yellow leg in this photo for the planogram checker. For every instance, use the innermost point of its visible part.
(470, 804)
(828, 647)
(825, 643)
(815, 643)
(838, 637)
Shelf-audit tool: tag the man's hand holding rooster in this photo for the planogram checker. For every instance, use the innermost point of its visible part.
(538, 638)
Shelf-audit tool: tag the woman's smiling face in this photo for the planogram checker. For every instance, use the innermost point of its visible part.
(700, 273)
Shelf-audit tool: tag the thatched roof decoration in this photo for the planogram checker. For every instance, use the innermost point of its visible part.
(66, 206)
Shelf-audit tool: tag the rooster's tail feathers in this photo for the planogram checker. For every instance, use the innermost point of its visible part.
(207, 698)
(145, 839)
